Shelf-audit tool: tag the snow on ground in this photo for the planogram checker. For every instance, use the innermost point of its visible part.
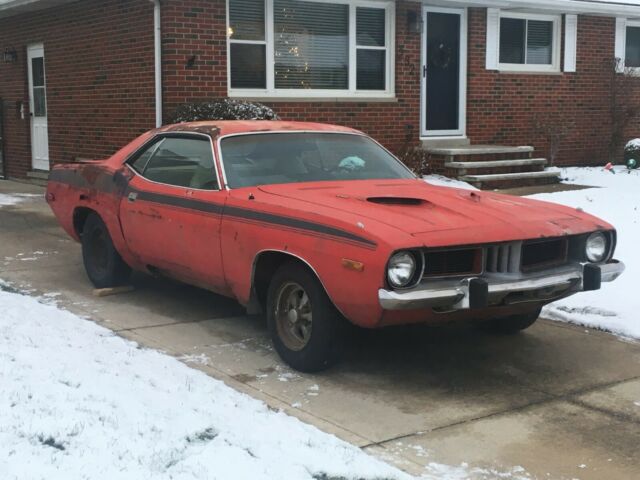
(77, 401)
(615, 307)
(443, 181)
(14, 198)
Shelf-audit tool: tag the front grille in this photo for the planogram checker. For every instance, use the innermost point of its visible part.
(516, 257)
(453, 262)
(544, 253)
(504, 258)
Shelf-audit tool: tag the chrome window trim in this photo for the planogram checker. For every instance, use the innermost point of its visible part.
(324, 132)
(164, 135)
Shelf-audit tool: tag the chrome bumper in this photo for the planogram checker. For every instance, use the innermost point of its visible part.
(484, 291)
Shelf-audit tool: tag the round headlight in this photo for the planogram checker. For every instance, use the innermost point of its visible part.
(596, 247)
(401, 269)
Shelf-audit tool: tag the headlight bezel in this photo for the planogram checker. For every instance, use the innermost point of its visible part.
(606, 247)
(418, 271)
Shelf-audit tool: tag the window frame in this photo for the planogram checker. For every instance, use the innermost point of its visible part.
(157, 139)
(554, 66)
(628, 24)
(351, 92)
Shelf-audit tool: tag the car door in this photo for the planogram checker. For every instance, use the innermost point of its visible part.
(171, 211)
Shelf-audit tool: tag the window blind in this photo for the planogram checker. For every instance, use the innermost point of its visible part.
(311, 45)
(539, 42)
(246, 20)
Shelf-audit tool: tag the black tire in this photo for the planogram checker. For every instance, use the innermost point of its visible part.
(103, 264)
(512, 324)
(325, 340)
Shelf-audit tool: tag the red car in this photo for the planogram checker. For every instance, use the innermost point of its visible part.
(313, 224)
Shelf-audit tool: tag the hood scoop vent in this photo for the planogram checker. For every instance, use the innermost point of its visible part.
(403, 201)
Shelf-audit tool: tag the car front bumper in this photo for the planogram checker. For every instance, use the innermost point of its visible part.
(485, 291)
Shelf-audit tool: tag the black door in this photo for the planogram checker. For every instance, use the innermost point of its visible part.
(442, 72)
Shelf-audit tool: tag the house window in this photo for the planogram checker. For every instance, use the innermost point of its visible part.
(632, 47)
(326, 48)
(529, 42)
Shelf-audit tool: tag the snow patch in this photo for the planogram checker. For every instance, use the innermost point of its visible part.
(617, 201)
(15, 198)
(442, 181)
(78, 401)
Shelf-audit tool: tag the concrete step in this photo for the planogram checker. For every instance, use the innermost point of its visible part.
(497, 163)
(38, 177)
(478, 150)
(509, 180)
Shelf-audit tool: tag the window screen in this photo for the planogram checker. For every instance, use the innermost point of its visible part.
(247, 44)
(371, 48)
(524, 41)
(632, 57)
(39, 90)
(311, 45)
(280, 45)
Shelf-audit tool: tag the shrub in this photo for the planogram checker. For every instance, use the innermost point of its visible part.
(222, 109)
(416, 158)
(632, 150)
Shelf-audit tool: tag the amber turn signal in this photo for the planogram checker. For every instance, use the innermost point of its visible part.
(352, 265)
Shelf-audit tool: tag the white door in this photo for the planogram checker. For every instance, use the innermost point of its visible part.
(444, 72)
(38, 108)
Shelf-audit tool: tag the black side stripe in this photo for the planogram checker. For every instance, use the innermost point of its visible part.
(108, 184)
(247, 214)
(173, 201)
(295, 223)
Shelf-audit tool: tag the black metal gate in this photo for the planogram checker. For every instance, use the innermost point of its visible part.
(2, 166)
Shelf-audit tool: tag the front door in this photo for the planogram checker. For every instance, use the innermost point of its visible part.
(444, 72)
(38, 108)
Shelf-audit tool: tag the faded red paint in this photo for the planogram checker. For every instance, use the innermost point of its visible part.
(217, 250)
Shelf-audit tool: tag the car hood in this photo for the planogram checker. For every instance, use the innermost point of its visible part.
(435, 213)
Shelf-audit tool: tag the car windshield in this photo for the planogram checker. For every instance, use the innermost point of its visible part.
(264, 159)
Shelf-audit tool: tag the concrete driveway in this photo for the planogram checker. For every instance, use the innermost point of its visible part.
(559, 401)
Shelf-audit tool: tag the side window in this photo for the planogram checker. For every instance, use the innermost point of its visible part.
(140, 161)
(184, 162)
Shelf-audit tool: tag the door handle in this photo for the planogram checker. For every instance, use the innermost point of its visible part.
(132, 197)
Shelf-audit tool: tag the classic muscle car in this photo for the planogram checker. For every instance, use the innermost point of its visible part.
(315, 224)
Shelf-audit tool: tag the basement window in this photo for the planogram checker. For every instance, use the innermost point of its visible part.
(296, 48)
(529, 42)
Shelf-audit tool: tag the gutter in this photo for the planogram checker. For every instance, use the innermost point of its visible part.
(157, 47)
(586, 7)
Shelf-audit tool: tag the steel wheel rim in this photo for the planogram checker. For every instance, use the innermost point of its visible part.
(293, 315)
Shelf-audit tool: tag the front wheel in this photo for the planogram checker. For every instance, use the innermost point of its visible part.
(307, 330)
(104, 266)
(511, 324)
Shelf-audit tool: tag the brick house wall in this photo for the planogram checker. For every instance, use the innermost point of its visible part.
(100, 82)
(198, 28)
(502, 107)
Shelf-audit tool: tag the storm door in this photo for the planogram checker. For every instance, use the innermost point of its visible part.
(444, 69)
(38, 108)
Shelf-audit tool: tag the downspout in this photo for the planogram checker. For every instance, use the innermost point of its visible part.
(157, 47)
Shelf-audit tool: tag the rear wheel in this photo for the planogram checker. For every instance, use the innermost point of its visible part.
(511, 324)
(103, 264)
(307, 330)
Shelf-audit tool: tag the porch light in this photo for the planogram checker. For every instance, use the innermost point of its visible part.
(414, 22)
(10, 55)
